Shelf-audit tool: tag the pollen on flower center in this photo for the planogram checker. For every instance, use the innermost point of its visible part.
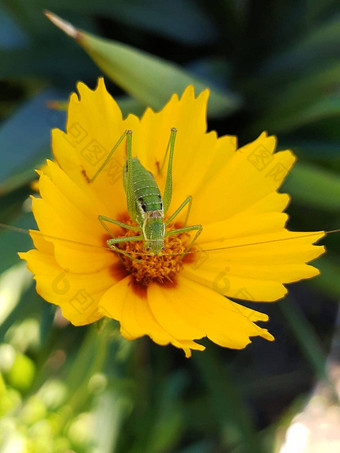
(162, 268)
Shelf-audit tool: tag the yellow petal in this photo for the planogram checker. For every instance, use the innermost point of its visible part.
(40, 243)
(81, 197)
(255, 267)
(166, 306)
(94, 125)
(136, 319)
(76, 294)
(79, 240)
(196, 153)
(242, 182)
(225, 323)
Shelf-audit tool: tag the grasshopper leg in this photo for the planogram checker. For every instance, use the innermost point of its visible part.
(187, 229)
(111, 242)
(188, 202)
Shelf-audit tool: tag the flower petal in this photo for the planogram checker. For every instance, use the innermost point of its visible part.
(254, 267)
(167, 307)
(223, 321)
(136, 318)
(196, 152)
(243, 181)
(76, 294)
(79, 239)
(94, 125)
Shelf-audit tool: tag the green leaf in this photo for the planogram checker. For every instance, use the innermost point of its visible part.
(313, 149)
(29, 16)
(328, 281)
(303, 90)
(149, 79)
(12, 242)
(11, 36)
(22, 372)
(225, 396)
(320, 45)
(305, 336)
(166, 425)
(161, 16)
(315, 8)
(314, 186)
(25, 140)
(30, 304)
(37, 62)
(279, 121)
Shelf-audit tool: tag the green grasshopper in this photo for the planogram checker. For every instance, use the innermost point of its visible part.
(146, 206)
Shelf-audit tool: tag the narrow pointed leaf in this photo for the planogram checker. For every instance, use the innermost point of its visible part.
(149, 79)
(323, 108)
(320, 45)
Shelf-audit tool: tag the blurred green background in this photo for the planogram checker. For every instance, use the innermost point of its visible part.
(271, 66)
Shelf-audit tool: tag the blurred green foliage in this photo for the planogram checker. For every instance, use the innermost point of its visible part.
(272, 66)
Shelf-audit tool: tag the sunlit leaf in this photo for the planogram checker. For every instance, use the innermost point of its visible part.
(21, 374)
(194, 27)
(150, 79)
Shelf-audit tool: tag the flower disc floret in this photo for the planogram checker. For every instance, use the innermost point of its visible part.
(162, 269)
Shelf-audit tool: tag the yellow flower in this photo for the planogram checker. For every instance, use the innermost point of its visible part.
(171, 300)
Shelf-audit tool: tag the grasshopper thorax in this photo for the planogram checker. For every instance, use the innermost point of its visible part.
(153, 232)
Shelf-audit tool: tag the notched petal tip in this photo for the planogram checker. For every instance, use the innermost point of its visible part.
(190, 93)
(267, 336)
(82, 89)
(204, 95)
(187, 353)
(101, 84)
